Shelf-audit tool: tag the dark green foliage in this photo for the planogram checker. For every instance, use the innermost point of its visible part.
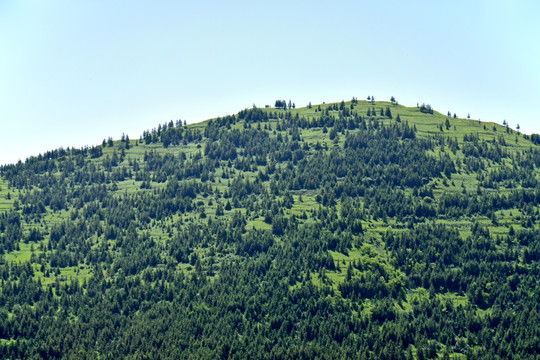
(426, 108)
(388, 113)
(272, 235)
(535, 138)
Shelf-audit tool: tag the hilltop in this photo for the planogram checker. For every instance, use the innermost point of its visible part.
(351, 229)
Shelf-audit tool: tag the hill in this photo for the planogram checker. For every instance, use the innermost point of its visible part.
(359, 229)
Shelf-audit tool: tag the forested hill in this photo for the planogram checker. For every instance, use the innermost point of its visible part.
(360, 229)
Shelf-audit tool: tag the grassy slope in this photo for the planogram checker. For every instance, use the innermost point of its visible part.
(7, 195)
(426, 125)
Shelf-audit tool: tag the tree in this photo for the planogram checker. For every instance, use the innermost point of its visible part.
(392, 99)
(388, 113)
(350, 272)
(426, 108)
(333, 133)
(309, 105)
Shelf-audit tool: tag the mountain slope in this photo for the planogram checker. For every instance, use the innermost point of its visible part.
(354, 229)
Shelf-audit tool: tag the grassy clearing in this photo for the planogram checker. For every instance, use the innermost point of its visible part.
(7, 196)
(67, 274)
(258, 224)
(24, 253)
(426, 124)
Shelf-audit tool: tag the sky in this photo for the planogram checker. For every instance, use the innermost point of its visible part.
(73, 73)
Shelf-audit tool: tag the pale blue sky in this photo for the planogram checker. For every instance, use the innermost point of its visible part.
(75, 72)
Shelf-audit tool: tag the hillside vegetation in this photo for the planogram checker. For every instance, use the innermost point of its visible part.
(359, 229)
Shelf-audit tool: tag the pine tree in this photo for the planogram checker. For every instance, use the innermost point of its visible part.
(388, 113)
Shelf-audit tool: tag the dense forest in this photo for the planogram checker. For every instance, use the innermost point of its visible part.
(357, 229)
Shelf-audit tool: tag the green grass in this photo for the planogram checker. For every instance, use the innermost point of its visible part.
(7, 195)
(24, 253)
(258, 224)
(426, 124)
(67, 274)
